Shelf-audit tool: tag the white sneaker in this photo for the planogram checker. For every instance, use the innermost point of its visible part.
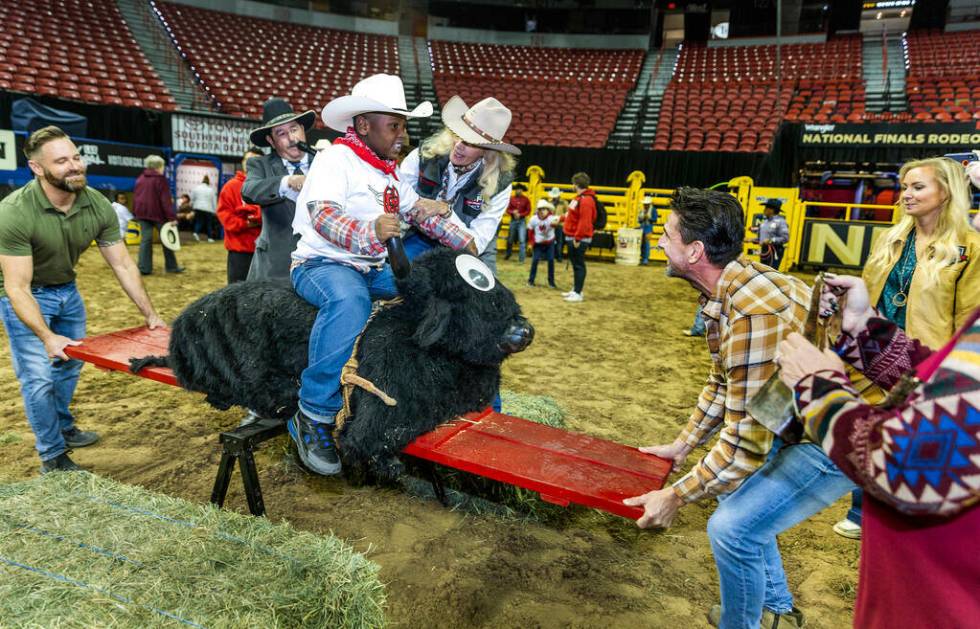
(568, 293)
(574, 298)
(210, 239)
(848, 529)
(197, 238)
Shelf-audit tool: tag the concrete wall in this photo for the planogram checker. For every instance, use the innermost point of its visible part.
(296, 16)
(962, 26)
(541, 40)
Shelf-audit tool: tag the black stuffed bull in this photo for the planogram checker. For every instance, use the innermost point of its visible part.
(436, 353)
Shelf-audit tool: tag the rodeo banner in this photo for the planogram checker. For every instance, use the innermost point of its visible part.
(103, 159)
(941, 136)
(838, 244)
(210, 135)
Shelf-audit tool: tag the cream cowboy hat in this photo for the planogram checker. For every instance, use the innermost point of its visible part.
(170, 237)
(483, 125)
(544, 205)
(554, 193)
(380, 93)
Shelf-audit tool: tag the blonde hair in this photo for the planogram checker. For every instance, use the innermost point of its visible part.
(34, 142)
(951, 228)
(495, 163)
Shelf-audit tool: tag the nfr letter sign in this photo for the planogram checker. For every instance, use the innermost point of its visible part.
(838, 243)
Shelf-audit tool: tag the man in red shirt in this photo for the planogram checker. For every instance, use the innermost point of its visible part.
(518, 210)
(579, 222)
(242, 222)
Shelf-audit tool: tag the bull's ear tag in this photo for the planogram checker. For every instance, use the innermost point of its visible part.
(475, 273)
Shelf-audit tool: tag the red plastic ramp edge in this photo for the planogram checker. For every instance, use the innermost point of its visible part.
(113, 350)
(562, 466)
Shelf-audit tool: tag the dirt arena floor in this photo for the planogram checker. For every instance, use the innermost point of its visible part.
(617, 364)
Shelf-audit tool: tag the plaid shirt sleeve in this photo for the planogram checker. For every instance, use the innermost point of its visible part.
(445, 231)
(747, 351)
(330, 221)
(709, 412)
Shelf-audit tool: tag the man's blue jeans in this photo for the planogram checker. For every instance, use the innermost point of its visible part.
(647, 229)
(343, 295)
(795, 483)
(47, 388)
(517, 231)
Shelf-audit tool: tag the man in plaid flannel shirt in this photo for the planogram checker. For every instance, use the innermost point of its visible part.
(351, 204)
(762, 489)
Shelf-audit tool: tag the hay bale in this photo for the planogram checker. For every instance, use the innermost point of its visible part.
(536, 408)
(77, 550)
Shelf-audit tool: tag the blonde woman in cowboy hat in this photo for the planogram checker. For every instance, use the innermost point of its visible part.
(350, 207)
(468, 166)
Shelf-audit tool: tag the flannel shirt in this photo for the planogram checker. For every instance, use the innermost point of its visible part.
(752, 310)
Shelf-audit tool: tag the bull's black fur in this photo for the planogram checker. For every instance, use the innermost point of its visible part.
(438, 354)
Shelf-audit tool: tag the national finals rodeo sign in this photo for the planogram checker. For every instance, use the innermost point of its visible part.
(834, 243)
(943, 137)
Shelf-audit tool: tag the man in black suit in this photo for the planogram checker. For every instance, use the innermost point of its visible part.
(273, 182)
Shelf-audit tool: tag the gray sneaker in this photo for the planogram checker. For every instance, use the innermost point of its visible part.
(75, 438)
(60, 463)
(314, 441)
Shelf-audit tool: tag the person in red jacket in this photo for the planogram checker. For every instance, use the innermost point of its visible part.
(578, 232)
(518, 209)
(242, 222)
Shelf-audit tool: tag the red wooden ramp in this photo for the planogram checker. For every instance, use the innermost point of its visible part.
(562, 466)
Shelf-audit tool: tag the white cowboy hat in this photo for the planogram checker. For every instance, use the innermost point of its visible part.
(380, 93)
(544, 205)
(647, 200)
(483, 125)
(170, 236)
(554, 193)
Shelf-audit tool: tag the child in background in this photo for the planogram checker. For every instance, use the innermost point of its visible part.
(543, 227)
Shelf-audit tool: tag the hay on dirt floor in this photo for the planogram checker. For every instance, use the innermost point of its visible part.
(77, 550)
(536, 408)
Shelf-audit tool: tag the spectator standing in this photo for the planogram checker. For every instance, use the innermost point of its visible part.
(648, 217)
(518, 209)
(122, 214)
(152, 208)
(554, 196)
(205, 204)
(578, 232)
(773, 234)
(543, 228)
(241, 221)
(185, 213)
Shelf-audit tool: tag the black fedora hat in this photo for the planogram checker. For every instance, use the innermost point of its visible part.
(277, 111)
(774, 204)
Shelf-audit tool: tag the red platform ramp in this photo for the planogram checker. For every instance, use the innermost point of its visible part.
(563, 467)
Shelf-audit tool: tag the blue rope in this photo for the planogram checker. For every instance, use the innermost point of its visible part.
(82, 584)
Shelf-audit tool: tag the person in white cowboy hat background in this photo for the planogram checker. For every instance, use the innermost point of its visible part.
(647, 217)
(543, 227)
(467, 165)
(351, 205)
(273, 182)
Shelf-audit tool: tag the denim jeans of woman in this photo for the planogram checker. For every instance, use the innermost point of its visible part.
(795, 483)
(47, 387)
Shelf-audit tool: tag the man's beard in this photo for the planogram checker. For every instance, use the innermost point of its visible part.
(76, 185)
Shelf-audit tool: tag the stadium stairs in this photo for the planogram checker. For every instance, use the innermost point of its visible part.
(416, 73)
(157, 47)
(629, 118)
(427, 90)
(884, 92)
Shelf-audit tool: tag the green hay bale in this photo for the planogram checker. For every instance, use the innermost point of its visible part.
(7, 438)
(536, 408)
(77, 550)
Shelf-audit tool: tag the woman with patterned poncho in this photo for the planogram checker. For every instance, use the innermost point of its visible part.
(919, 460)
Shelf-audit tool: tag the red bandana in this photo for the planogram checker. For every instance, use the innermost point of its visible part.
(354, 143)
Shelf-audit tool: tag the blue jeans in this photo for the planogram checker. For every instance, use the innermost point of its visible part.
(857, 499)
(547, 253)
(47, 388)
(343, 295)
(645, 243)
(517, 231)
(795, 483)
(698, 328)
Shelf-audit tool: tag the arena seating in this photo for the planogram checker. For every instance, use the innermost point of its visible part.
(76, 49)
(242, 61)
(559, 96)
(943, 83)
(727, 98)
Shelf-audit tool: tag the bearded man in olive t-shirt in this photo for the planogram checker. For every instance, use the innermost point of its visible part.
(44, 228)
